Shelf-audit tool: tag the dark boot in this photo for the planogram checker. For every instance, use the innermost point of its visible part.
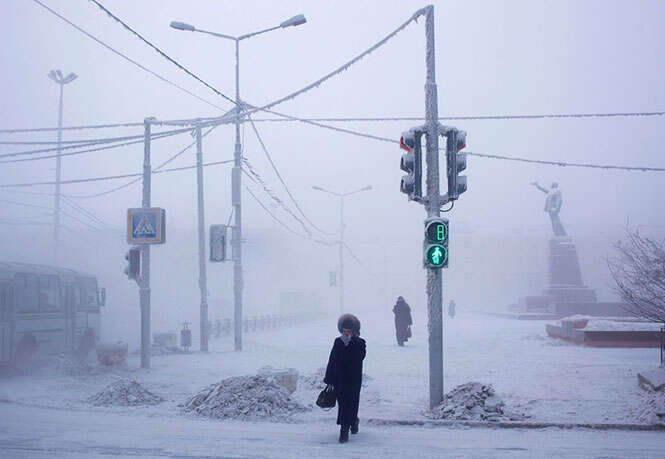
(344, 434)
(354, 426)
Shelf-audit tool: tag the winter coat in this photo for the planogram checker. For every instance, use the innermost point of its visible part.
(345, 373)
(402, 313)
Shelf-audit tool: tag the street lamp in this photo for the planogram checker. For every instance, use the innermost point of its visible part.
(236, 234)
(56, 76)
(341, 243)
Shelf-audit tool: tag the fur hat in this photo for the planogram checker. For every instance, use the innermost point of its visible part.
(350, 322)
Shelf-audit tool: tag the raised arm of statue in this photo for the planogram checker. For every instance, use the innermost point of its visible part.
(539, 187)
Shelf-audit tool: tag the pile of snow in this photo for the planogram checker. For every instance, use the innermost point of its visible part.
(650, 408)
(245, 397)
(473, 401)
(313, 381)
(287, 377)
(125, 392)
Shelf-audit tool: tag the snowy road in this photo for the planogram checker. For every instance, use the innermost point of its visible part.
(47, 414)
(33, 432)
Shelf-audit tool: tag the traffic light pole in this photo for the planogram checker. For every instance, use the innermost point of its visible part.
(203, 278)
(341, 254)
(432, 205)
(144, 284)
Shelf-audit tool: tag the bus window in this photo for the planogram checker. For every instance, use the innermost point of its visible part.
(88, 291)
(48, 293)
(27, 292)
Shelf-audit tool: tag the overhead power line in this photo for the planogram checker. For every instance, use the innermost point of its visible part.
(256, 178)
(162, 53)
(156, 135)
(281, 179)
(470, 117)
(136, 180)
(284, 225)
(70, 128)
(482, 155)
(414, 17)
(110, 177)
(129, 59)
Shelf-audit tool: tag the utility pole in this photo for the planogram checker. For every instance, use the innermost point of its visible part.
(56, 75)
(236, 172)
(432, 205)
(236, 232)
(203, 278)
(342, 244)
(144, 286)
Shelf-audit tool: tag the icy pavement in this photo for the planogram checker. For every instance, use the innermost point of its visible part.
(30, 432)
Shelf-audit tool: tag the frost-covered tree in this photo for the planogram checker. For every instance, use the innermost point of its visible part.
(638, 270)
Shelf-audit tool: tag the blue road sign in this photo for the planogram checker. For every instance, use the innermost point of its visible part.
(146, 225)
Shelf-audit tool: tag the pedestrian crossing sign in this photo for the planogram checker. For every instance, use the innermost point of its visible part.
(146, 225)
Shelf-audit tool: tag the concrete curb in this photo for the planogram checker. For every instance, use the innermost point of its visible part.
(515, 425)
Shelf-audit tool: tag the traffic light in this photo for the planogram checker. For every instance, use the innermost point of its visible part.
(133, 268)
(455, 142)
(412, 163)
(217, 242)
(435, 247)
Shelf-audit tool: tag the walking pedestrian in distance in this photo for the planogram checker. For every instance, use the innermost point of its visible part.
(345, 373)
(403, 321)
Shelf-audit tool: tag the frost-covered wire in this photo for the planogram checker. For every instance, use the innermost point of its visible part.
(353, 255)
(110, 177)
(129, 59)
(133, 181)
(481, 155)
(569, 164)
(281, 179)
(156, 135)
(284, 225)
(414, 17)
(256, 178)
(70, 128)
(162, 53)
(469, 118)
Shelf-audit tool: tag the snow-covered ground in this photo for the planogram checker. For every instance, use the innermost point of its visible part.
(542, 377)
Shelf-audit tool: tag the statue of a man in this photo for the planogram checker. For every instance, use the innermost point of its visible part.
(553, 206)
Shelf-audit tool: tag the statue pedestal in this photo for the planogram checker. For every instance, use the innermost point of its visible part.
(565, 276)
(565, 294)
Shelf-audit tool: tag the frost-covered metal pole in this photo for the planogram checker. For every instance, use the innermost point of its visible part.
(144, 286)
(56, 215)
(434, 277)
(56, 76)
(203, 278)
(341, 254)
(236, 233)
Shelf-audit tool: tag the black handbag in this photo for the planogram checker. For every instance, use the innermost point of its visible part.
(326, 398)
(408, 332)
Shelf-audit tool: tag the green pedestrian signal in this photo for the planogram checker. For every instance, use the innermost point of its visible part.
(435, 246)
(436, 255)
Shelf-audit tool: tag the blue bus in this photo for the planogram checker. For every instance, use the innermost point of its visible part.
(47, 310)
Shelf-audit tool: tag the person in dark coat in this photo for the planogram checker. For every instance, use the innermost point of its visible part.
(403, 320)
(451, 309)
(345, 374)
